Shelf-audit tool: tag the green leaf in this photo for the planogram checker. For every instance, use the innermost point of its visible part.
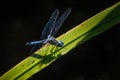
(74, 37)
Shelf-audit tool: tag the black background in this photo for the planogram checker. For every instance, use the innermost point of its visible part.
(22, 21)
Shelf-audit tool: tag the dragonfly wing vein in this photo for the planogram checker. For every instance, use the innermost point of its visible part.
(60, 21)
(50, 24)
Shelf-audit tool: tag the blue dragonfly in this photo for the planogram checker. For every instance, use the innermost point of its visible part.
(50, 30)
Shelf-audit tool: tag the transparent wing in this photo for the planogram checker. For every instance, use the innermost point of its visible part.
(60, 21)
(50, 24)
(35, 48)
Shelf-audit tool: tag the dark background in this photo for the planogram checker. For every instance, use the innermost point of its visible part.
(22, 21)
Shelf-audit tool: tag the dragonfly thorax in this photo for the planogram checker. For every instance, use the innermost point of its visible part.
(53, 41)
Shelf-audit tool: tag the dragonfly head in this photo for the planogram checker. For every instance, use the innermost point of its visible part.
(60, 43)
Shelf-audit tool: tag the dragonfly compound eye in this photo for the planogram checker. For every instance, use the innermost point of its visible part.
(60, 43)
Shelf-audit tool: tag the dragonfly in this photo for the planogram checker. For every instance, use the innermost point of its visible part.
(50, 30)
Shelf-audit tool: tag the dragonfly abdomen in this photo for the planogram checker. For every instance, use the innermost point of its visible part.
(34, 42)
